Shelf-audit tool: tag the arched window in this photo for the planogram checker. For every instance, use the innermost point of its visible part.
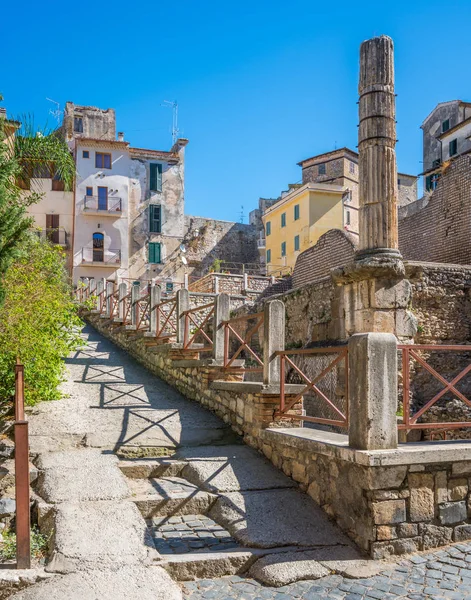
(98, 247)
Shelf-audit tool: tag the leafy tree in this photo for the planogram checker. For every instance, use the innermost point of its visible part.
(38, 321)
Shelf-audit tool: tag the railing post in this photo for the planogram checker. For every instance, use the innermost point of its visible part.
(109, 298)
(100, 287)
(185, 281)
(183, 304)
(273, 340)
(92, 291)
(246, 283)
(216, 284)
(135, 295)
(372, 389)
(85, 288)
(122, 293)
(222, 310)
(22, 492)
(155, 298)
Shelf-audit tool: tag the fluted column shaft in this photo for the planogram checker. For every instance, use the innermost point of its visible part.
(376, 143)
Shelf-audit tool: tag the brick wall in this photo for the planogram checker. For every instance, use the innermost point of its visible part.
(439, 230)
(333, 249)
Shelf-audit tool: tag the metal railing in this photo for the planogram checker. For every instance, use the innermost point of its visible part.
(57, 236)
(196, 320)
(411, 353)
(108, 257)
(245, 347)
(111, 204)
(22, 492)
(143, 312)
(315, 383)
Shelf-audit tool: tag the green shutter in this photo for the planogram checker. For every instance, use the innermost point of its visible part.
(296, 242)
(155, 218)
(268, 256)
(155, 180)
(154, 253)
(268, 227)
(296, 212)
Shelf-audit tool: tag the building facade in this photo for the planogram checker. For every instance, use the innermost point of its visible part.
(298, 220)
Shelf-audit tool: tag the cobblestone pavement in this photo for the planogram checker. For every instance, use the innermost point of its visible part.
(189, 533)
(442, 574)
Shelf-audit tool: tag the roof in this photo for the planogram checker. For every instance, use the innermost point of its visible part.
(327, 188)
(440, 104)
(156, 154)
(343, 150)
(101, 141)
(453, 129)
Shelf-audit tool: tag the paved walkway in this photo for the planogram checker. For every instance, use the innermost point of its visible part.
(212, 487)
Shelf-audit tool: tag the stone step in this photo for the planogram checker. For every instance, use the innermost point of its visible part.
(151, 468)
(169, 496)
(209, 565)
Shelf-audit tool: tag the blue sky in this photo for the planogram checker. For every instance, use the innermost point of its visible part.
(261, 84)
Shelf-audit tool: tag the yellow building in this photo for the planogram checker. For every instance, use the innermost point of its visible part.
(298, 220)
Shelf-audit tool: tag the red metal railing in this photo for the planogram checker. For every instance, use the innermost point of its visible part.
(311, 384)
(143, 312)
(166, 318)
(244, 342)
(198, 318)
(410, 353)
(22, 493)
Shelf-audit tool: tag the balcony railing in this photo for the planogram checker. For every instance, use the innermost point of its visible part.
(55, 236)
(109, 257)
(111, 205)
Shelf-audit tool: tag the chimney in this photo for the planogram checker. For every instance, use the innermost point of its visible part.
(120, 136)
(3, 112)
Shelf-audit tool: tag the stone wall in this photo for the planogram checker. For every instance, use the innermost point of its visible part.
(333, 249)
(208, 240)
(439, 230)
(250, 286)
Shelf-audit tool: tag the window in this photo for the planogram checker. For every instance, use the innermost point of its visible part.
(85, 154)
(283, 248)
(296, 212)
(155, 218)
(453, 147)
(296, 243)
(155, 253)
(102, 198)
(268, 256)
(351, 167)
(321, 170)
(431, 182)
(98, 247)
(52, 228)
(102, 161)
(78, 124)
(445, 125)
(89, 191)
(347, 219)
(155, 181)
(268, 227)
(283, 219)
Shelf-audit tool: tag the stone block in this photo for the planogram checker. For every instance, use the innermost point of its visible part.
(458, 489)
(378, 478)
(452, 512)
(406, 325)
(422, 505)
(441, 487)
(461, 468)
(384, 321)
(407, 530)
(391, 293)
(462, 533)
(434, 536)
(389, 511)
(7, 507)
(385, 532)
(298, 472)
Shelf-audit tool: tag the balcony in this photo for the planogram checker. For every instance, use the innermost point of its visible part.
(97, 257)
(261, 241)
(55, 236)
(93, 205)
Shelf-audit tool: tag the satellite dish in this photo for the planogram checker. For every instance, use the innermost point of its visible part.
(182, 248)
(184, 261)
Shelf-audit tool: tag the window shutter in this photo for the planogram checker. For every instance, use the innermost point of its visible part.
(157, 253)
(155, 180)
(151, 253)
(152, 179)
(154, 252)
(159, 178)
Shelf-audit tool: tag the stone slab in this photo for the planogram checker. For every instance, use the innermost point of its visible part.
(98, 535)
(80, 475)
(209, 565)
(277, 570)
(271, 518)
(232, 468)
(129, 583)
(169, 496)
(151, 467)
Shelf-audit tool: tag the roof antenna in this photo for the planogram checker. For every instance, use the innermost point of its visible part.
(57, 112)
(242, 216)
(173, 104)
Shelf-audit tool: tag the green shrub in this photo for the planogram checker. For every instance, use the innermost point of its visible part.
(38, 322)
(8, 546)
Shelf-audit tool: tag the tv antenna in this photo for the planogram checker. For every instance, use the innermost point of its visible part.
(173, 104)
(56, 113)
(242, 216)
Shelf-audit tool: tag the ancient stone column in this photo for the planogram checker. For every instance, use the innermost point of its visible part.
(377, 156)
